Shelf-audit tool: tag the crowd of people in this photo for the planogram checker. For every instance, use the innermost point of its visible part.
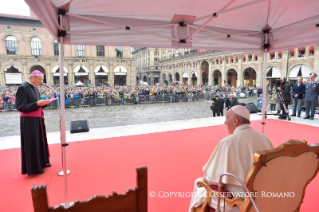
(123, 93)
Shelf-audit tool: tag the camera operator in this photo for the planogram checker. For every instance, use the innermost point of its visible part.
(284, 87)
(215, 106)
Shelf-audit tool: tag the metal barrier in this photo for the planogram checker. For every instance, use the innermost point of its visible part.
(131, 99)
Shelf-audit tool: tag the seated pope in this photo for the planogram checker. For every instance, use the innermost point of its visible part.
(233, 154)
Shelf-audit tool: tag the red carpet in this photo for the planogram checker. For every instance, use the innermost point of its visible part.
(174, 160)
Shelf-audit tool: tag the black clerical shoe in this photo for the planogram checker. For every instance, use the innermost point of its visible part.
(293, 114)
(49, 165)
(38, 172)
(307, 117)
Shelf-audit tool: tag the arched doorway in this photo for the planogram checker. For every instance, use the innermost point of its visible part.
(101, 75)
(165, 80)
(56, 75)
(13, 75)
(249, 77)
(194, 78)
(231, 77)
(170, 78)
(177, 78)
(41, 69)
(204, 72)
(217, 77)
(137, 79)
(120, 75)
(185, 78)
(298, 71)
(81, 74)
(273, 73)
(145, 79)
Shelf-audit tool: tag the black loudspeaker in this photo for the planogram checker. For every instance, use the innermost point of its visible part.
(79, 126)
(250, 106)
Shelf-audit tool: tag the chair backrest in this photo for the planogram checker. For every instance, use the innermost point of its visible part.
(135, 200)
(279, 177)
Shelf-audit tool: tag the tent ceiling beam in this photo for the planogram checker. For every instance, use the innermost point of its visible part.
(209, 38)
(91, 31)
(238, 7)
(122, 27)
(53, 16)
(292, 36)
(247, 41)
(210, 20)
(208, 30)
(297, 22)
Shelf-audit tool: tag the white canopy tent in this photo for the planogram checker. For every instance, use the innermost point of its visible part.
(79, 84)
(232, 25)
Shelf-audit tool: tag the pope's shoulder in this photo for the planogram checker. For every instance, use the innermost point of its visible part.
(247, 131)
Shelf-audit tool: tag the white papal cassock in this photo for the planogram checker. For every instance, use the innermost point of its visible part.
(234, 154)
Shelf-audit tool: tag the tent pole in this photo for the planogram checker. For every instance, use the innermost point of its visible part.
(64, 172)
(266, 46)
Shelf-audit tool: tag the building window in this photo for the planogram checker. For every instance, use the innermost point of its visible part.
(80, 50)
(56, 48)
(301, 52)
(11, 45)
(119, 51)
(100, 51)
(36, 47)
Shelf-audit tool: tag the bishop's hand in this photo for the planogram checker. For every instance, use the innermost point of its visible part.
(41, 103)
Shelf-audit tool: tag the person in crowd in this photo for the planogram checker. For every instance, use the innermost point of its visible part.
(273, 101)
(284, 89)
(297, 94)
(34, 145)
(234, 101)
(312, 92)
(239, 149)
(260, 102)
(221, 106)
(216, 106)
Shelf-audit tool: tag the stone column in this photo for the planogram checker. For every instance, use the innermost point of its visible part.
(189, 79)
(110, 78)
(307, 52)
(91, 73)
(48, 73)
(284, 63)
(224, 76)
(25, 74)
(210, 78)
(71, 73)
(259, 71)
(199, 73)
(316, 60)
(240, 74)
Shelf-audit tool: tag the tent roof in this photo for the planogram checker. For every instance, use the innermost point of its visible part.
(233, 25)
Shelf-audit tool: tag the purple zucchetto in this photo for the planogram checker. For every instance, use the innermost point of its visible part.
(36, 72)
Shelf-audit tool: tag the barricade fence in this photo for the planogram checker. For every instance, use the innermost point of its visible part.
(123, 100)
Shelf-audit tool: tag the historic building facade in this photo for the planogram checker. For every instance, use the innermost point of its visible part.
(147, 64)
(199, 67)
(26, 46)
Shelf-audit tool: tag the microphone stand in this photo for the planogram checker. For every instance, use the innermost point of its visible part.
(61, 173)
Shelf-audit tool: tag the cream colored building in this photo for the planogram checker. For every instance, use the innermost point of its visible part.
(26, 46)
(147, 64)
(198, 67)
